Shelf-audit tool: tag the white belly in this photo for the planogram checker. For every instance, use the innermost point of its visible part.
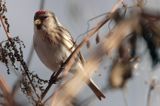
(51, 55)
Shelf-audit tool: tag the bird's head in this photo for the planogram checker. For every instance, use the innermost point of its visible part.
(45, 19)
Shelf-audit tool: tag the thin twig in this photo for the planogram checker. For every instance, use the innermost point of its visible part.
(149, 97)
(152, 85)
(42, 3)
(30, 56)
(116, 6)
(4, 27)
(88, 25)
(125, 96)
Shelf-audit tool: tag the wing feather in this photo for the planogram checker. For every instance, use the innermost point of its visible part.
(69, 42)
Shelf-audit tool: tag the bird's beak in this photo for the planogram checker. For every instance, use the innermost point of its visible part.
(37, 22)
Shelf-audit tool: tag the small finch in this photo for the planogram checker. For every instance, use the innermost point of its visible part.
(54, 44)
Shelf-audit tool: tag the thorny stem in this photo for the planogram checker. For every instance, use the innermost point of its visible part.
(70, 60)
(21, 61)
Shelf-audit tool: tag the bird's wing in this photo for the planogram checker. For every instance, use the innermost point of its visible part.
(69, 42)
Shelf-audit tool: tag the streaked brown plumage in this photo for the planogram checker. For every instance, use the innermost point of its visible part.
(53, 44)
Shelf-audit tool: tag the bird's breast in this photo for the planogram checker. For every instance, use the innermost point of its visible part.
(50, 53)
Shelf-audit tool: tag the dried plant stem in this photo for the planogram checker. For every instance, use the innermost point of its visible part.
(29, 59)
(115, 7)
(4, 27)
(70, 60)
(34, 89)
(124, 92)
(42, 3)
(149, 96)
(30, 56)
(21, 61)
(3, 85)
(6, 92)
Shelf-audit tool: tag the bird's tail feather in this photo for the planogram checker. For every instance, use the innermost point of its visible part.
(95, 89)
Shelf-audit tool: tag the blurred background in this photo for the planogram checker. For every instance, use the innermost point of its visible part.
(74, 15)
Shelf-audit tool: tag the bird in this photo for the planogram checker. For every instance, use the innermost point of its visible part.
(53, 44)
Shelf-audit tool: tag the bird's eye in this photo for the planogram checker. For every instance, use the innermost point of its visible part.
(43, 17)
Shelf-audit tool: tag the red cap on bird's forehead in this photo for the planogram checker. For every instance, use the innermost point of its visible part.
(41, 12)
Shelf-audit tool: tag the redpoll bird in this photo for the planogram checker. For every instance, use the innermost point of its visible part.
(54, 44)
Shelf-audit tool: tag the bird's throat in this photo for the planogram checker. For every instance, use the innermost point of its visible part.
(39, 27)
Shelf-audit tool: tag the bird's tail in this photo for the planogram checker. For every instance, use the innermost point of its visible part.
(90, 83)
(95, 89)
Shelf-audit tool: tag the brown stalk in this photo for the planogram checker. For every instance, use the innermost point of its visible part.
(9, 100)
(4, 27)
(4, 87)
